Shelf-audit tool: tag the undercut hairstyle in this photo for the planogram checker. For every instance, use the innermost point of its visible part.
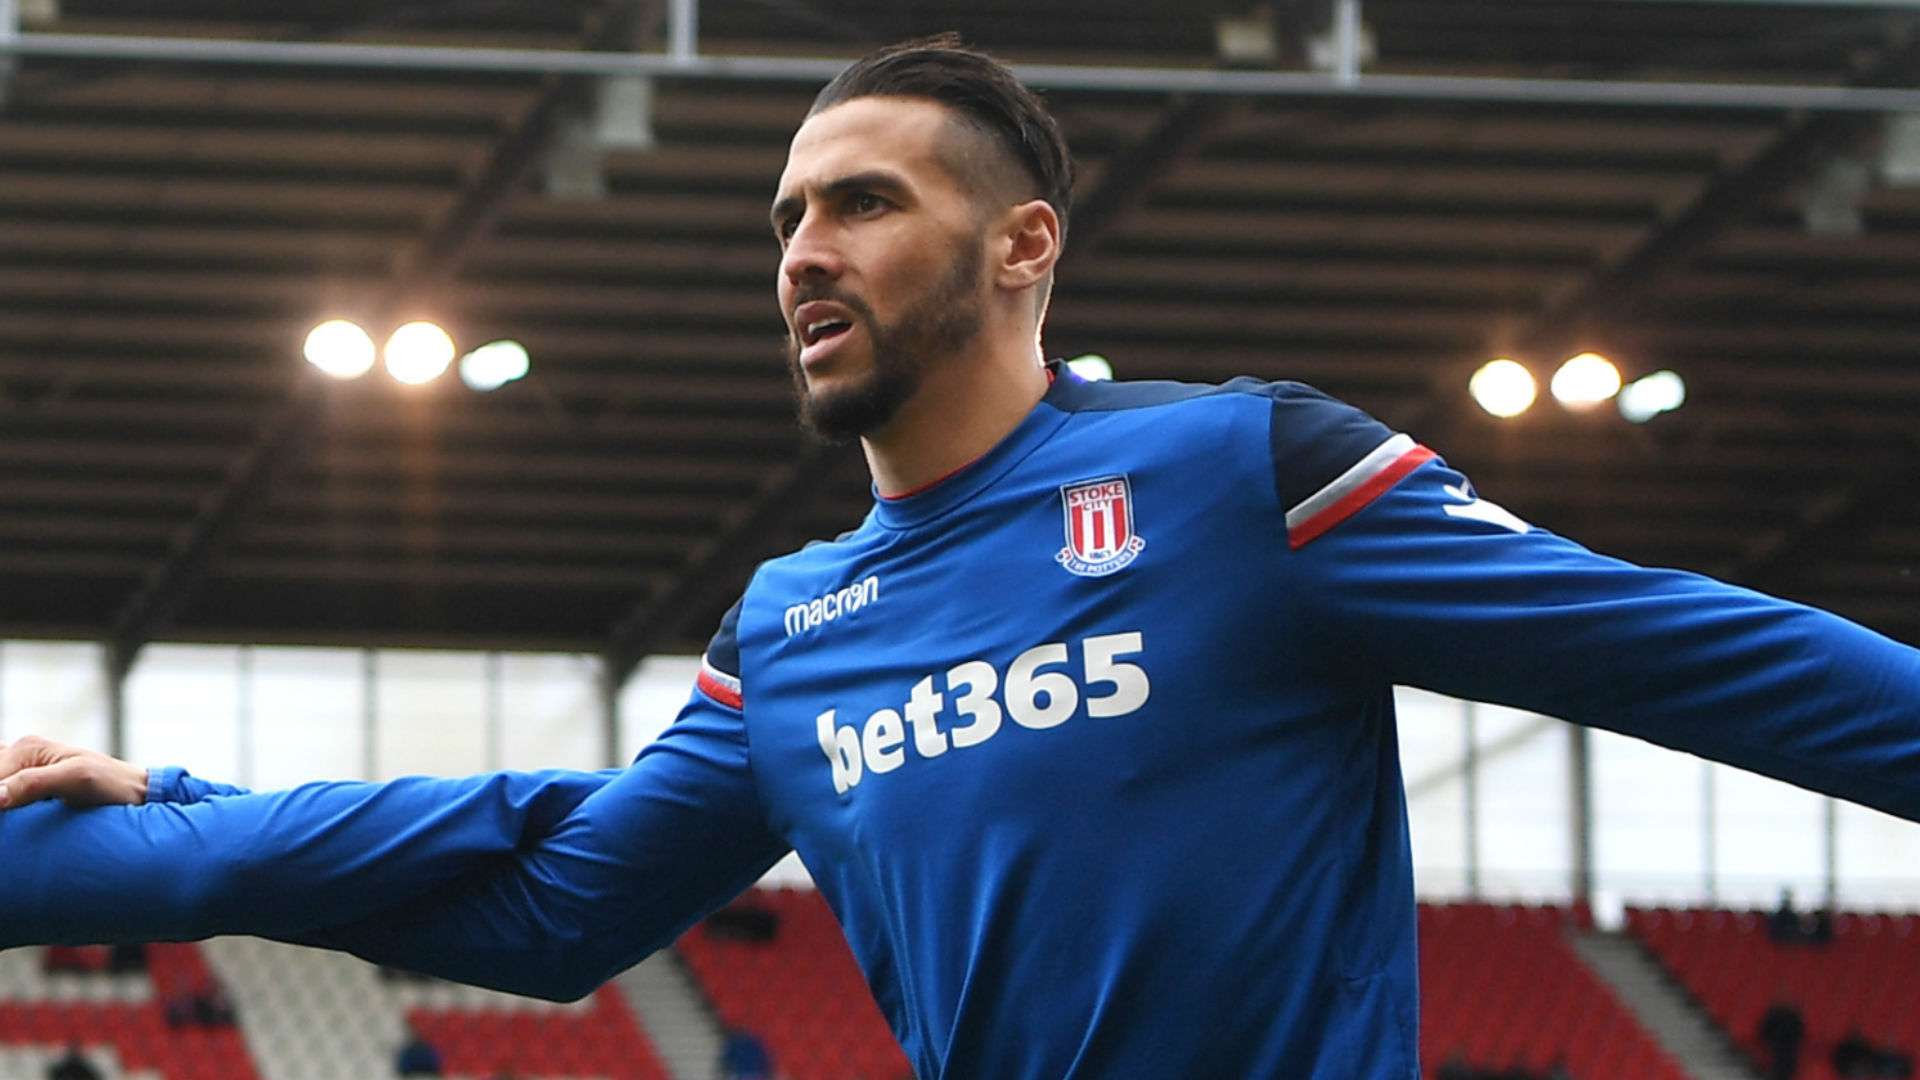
(983, 94)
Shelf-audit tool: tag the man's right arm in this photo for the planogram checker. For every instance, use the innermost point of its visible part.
(269, 863)
(543, 884)
(529, 882)
(625, 874)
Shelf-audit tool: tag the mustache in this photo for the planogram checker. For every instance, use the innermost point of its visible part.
(807, 294)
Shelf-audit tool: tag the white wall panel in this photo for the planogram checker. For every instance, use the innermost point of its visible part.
(430, 713)
(183, 708)
(308, 708)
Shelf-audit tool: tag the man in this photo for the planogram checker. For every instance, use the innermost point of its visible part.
(73, 1066)
(1086, 733)
(1783, 1029)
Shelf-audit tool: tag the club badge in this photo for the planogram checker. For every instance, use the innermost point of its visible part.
(1100, 532)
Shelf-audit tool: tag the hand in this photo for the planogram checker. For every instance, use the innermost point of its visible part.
(34, 768)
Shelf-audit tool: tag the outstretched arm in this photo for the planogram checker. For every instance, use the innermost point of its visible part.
(543, 884)
(1436, 588)
(273, 864)
(626, 873)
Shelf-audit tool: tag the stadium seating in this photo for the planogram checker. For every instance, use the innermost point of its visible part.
(119, 1020)
(1864, 978)
(800, 992)
(1502, 988)
(302, 1013)
(603, 1041)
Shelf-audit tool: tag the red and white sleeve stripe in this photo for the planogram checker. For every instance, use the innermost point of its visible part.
(718, 685)
(1352, 490)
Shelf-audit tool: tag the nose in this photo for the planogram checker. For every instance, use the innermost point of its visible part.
(812, 252)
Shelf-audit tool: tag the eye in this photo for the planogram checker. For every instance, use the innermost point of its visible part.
(865, 202)
(785, 229)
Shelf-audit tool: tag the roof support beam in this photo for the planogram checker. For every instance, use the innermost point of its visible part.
(663, 613)
(433, 259)
(1129, 175)
(801, 69)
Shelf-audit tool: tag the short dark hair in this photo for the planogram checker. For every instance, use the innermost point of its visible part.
(983, 93)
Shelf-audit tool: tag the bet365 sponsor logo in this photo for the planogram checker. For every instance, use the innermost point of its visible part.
(972, 701)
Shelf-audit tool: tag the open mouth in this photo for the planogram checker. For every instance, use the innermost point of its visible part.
(821, 329)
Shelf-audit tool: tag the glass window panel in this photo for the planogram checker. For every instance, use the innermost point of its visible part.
(183, 708)
(1525, 817)
(430, 712)
(651, 699)
(308, 715)
(1879, 857)
(1432, 748)
(1767, 835)
(1649, 821)
(550, 711)
(56, 689)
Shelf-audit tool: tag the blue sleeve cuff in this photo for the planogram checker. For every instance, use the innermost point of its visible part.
(173, 784)
(163, 783)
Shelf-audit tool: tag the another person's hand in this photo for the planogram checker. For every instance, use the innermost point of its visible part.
(34, 768)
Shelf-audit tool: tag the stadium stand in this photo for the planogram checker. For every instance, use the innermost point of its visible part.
(799, 989)
(1501, 988)
(302, 1013)
(1862, 979)
(312, 1013)
(603, 1040)
(120, 1020)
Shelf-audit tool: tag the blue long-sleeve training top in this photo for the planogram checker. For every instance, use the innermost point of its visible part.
(1090, 747)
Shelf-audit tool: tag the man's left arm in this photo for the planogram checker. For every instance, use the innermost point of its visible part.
(1433, 587)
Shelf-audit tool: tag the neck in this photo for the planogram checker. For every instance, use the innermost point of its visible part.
(964, 407)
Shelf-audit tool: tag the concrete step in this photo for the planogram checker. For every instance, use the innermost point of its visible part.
(675, 1014)
(1680, 1026)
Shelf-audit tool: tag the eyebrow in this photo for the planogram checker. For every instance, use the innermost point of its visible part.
(870, 180)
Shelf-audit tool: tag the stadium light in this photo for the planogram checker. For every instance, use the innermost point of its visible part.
(494, 365)
(1648, 397)
(1091, 367)
(339, 348)
(418, 353)
(1586, 379)
(1503, 388)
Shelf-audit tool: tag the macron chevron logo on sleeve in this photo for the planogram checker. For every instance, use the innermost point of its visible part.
(1352, 490)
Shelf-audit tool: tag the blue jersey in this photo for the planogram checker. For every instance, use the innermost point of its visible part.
(1090, 747)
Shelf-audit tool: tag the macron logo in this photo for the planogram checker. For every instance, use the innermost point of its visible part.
(1475, 508)
(825, 609)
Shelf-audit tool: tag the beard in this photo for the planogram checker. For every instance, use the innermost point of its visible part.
(935, 325)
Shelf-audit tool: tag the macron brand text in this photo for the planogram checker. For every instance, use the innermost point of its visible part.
(825, 609)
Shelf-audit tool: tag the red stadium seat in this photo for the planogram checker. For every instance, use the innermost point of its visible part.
(1501, 987)
(1862, 980)
(790, 989)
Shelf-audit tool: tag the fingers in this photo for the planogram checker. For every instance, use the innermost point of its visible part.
(19, 755)
(29, 785)
(34, 768)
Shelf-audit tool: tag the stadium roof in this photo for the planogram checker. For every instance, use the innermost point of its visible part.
(170, 469)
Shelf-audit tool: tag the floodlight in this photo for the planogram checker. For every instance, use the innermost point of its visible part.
(339, 348)
(1648, 397)
(418, 352)
(494, 365)
(1584, 380)
(1503, 388)
(1091, 367)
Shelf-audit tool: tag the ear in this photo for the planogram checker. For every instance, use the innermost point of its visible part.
(1029, 245)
